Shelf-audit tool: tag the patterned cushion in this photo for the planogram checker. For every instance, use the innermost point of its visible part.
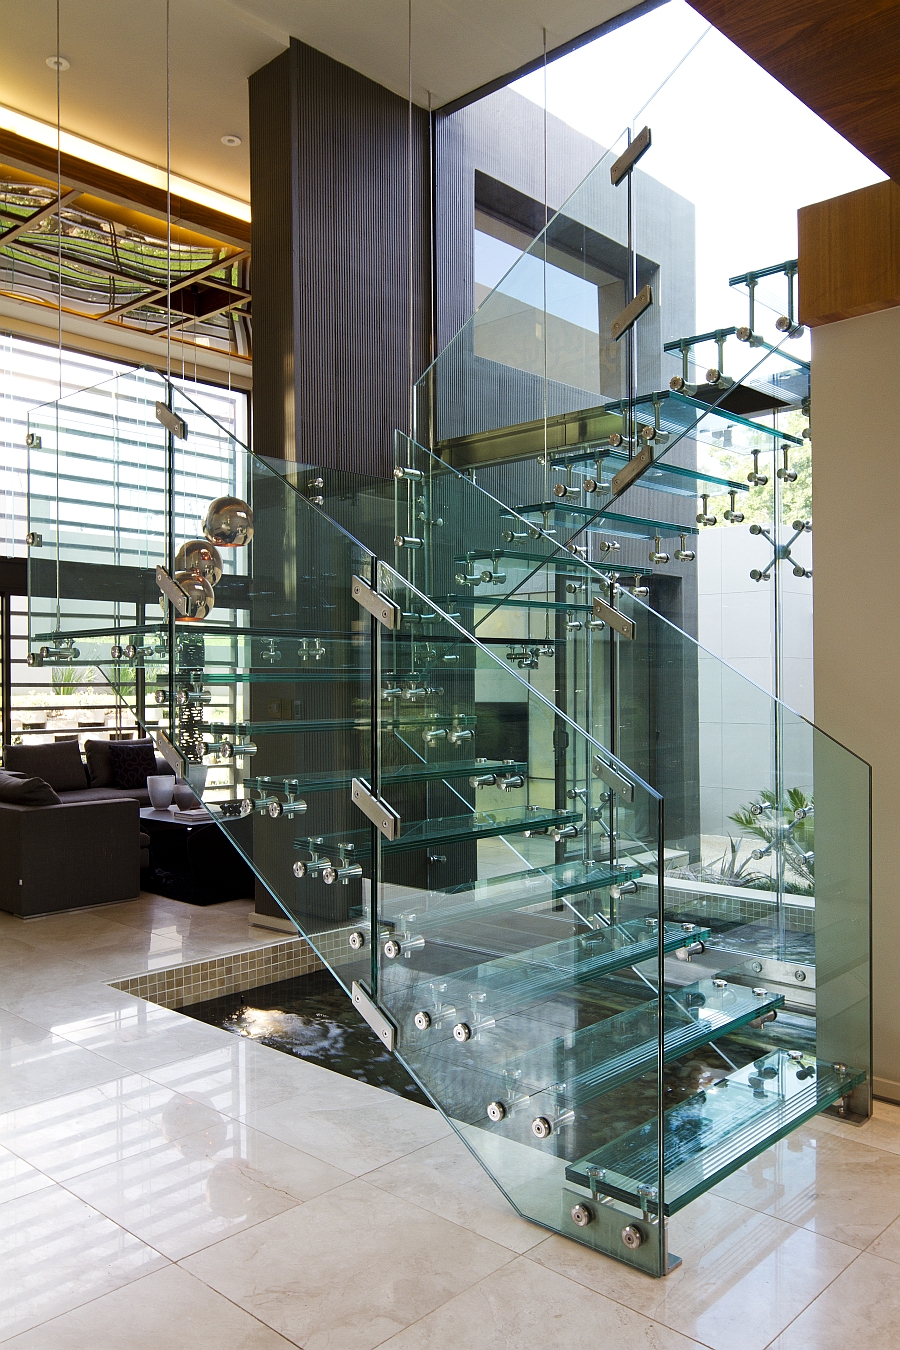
(97, 754)
(131, 762)
(19, 790)
(58, 764)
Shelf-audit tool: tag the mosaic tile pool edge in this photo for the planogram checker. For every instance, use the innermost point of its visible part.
(233, 972)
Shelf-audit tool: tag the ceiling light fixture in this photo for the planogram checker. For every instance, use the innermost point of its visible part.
(57, 63)
(232, 140)
(45, 134)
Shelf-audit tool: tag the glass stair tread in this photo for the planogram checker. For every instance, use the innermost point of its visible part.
(285, 675)
(447, 830)
(681, 412)
(561, 559)
(515, 890)
(328, 780)
(610, 522)
(497, 988)
(598, 1058)
(516, 602)
(660, 477)
(330, 724)
(710, 1135)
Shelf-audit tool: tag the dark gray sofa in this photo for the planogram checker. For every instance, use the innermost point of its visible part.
(67, 856)
(87, 849)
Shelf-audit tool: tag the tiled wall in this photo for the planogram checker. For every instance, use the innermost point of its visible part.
(737, 908)
(194, 983)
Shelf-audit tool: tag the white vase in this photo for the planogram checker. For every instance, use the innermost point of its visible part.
(161, 787)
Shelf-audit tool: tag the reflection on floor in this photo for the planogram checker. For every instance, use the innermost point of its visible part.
(165, 1184)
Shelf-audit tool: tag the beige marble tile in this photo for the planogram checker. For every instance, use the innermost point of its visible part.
(525, 1307)
(881, 1131)
(181, 1195)
(351, 1125)
(169, 1310)
(841, 1189)
(861, 1308)
(42, 973)
(143, 1036)
(743, 1276)
(82, 1131)
(348, 1269)
(56, 1253)
(14, 949)
(444, 1178)
(241, 1076)
(18, 1178)
(887, 1244)
(144, 910)
(67, 933)
(36, 1065)
(69, 1003)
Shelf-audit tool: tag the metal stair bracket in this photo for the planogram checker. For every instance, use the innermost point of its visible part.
(380, 812)
(637, 465)
(172, 590)
(614, 780)
(620, 623)
(170, 753)
(368, 1009)
(171, 421)
(627, 160)
(631, 313)
(383, 609)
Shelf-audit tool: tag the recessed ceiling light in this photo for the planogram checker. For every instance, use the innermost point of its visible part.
(57, 63)
(231, 140)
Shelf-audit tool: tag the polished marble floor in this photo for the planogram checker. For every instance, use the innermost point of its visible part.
(165, 1185)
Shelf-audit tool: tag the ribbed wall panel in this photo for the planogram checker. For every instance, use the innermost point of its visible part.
(331, 247)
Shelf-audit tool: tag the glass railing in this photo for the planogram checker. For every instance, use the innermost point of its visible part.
(495, 809)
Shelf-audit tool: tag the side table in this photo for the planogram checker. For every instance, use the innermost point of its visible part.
(198, 863)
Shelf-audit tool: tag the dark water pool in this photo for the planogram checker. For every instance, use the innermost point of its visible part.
(310, 1016)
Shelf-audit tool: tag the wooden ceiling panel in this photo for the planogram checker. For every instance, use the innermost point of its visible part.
(840, 57)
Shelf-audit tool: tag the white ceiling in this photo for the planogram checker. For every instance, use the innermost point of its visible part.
(115, 89)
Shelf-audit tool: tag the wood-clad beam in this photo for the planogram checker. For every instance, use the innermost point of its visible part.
(840, 57)
(849, 255)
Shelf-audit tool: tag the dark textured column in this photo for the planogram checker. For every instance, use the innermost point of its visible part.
(330, 156)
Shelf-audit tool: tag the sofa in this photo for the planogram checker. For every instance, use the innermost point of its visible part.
(70, 831)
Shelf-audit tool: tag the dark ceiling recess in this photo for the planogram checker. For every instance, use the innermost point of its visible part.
(840, 57)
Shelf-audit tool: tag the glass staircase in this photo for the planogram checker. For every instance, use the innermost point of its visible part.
(463, 754)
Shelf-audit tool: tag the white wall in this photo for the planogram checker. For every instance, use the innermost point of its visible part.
(857, 623)
(736, 622)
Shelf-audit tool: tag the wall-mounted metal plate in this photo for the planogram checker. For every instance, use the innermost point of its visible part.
(384, 610)
(626, 161)
(367, 1008)
(620, 623)
(380, 812)
(620, 786)
(172, 590)
(171, 421)
(637, 465)
(631, 313)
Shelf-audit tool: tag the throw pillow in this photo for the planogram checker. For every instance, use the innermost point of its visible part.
(18, 790)
(99, 768)
(131, 762)
(58, 764)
